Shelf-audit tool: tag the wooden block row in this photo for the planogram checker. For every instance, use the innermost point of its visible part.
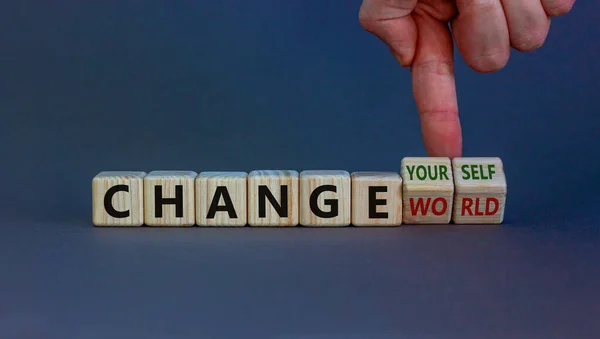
(426, 191)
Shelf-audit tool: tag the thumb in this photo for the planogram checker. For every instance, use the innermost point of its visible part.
(391, 22)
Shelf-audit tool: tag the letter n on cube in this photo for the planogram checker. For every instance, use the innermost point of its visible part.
(273, 198)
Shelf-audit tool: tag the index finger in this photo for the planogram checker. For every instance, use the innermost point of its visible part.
(434, 88)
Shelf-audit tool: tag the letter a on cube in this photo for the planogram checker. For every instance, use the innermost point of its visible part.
(480, 185)
(118, 198)
(428, 190)
(221, 198)
(169, 198)
(376, 199)
(325, 198)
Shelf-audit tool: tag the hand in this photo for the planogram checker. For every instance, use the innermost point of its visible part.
(418, 35)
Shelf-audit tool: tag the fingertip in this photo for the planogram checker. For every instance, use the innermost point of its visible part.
(489, 61)
(556, 8)
(442, 135)
(453, 151)
(482, 36)
(490, 58)
(531, 40)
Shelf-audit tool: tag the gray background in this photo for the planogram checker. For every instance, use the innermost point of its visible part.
(243, 85)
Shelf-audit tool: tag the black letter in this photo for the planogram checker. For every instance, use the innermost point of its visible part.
(374, 202)
(263, 192)
(333, 203)
(159, 201)
(108, 201)
(214, 205)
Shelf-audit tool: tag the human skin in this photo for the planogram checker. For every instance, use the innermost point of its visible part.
(485, 31)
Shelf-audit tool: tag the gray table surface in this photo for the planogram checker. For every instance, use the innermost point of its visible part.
(71, 280)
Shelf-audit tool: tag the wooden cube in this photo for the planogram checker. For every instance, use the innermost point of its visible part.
(480, 185)
(376, 199)
(169, 198)
(325, 198)
(273, 198)
(118, 198)
(221, 198)
(428, 190)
